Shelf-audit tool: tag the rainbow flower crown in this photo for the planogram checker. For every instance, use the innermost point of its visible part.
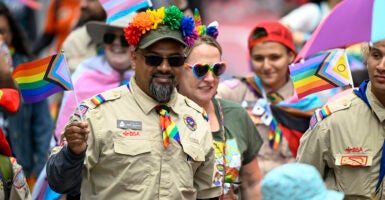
(191, 27)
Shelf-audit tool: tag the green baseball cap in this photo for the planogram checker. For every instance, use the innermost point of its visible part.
(162, 32)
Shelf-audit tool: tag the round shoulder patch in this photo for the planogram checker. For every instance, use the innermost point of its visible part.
(19, 180)
(190, 122)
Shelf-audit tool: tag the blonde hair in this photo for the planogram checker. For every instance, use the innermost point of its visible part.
(204, 39)
(365, 50)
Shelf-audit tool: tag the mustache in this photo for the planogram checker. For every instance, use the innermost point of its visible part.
(171, 75)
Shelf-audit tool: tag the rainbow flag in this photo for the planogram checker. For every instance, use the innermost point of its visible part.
(39, 79)
(117, 9)
(321, 72)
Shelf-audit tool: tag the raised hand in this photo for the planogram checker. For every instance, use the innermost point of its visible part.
(76, 136)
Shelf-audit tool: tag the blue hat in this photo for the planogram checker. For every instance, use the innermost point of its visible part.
(296, 181)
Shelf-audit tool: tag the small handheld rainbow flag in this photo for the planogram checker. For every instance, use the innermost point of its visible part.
(41, 78)
(117, 9)
(321, 72)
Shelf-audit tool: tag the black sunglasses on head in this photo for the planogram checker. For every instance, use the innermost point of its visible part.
(155, 60)
(109, 38)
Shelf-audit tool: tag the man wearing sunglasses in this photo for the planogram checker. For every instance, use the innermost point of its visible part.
(142, 140)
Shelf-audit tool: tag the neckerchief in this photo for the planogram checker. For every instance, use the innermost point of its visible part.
(305, 104)
(361, 92)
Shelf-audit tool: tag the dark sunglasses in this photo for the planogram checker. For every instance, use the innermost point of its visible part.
(173, 61)
(200, 70)
(109, 38)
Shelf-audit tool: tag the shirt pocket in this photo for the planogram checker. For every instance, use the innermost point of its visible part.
(353, 173)
(135, 160)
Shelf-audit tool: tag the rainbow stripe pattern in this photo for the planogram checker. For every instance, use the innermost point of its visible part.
(275, 134)
(117, 9)
(41, 78)
(169, 129)
(321, 72)
(98, 99)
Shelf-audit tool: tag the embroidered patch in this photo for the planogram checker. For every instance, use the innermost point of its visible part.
(190, 122)
(313, 121)
(354, 150)
(324, 112)
(81, 111)
(128, 124)
(19, 180)
(131, 133)
(354, 160)
(97, 100)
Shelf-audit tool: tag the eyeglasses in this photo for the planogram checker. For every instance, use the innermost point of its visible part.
(109, 38)
(173, 61)
(200, 70)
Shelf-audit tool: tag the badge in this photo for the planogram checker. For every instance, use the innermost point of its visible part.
(81, 110)
(190, 123)
(354, 160)
(19, 179)
(127, 124)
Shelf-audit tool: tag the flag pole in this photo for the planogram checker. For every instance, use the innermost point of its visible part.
(73, 88)
(348, 67)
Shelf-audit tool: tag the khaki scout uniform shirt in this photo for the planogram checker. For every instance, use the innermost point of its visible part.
(20, 188)
(126, 158)
(346, 146)
(267, 158)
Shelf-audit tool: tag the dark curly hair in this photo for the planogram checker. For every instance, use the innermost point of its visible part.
(19, 39)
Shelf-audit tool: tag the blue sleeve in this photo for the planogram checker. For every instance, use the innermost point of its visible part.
(64, 171)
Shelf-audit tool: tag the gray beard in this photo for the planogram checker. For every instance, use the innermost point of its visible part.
(161, 92)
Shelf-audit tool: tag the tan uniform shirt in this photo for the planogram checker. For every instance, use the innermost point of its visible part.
(126, 158)
(20, 188)
(267, 157)
(77, 47)
(346, 146)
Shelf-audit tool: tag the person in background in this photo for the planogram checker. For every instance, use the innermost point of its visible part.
(25, 16)
(236, 139)
(142, 140)
(269, 95)
(61, 17)
(295, 181)
(79, 46)
(100, 73)
(303, 20)
(30, 129)
(12, 180)
(347, 147)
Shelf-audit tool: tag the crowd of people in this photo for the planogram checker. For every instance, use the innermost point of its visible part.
(150, 118)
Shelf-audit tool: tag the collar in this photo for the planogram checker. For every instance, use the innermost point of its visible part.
(376, 105)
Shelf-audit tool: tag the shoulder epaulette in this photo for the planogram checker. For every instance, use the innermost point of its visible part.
(105, 96)
(97, 100)
(328, 110)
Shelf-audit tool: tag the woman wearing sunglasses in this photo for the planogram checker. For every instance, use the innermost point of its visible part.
(95, 75)
(236, 139)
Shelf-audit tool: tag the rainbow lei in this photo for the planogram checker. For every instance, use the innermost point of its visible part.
(191, 27)
(151, 19)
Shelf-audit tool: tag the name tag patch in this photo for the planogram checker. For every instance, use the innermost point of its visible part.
(127, 124)
(354, 160)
